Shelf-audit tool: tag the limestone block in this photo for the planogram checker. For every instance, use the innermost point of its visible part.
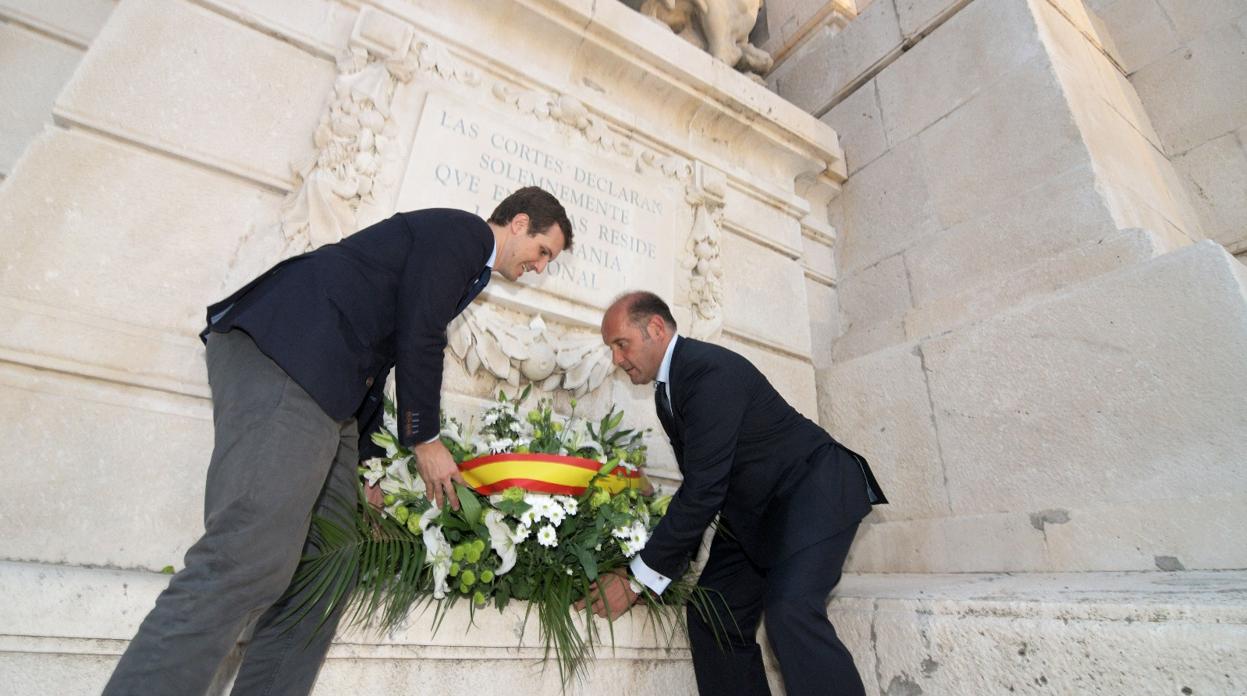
(785, 17)
(1004, 542)
(1087, 75)
(858, 122)
(918, 16)
(322, 25)
(755, 276)
(1107, 633)
(832, 60)
(887, 208)
(175, 245)
(1188, 534)
(875, 294)
(1197, 93)
(855, 343)
(33, 69)
(1141, 32)
(1117, 133)
(1060, 213)
(69, 439)
(1216, 177)
(1072, 401)
(977, 47)
(1194, 19)
(77, 21)
(1027, 132)
(819, 258)
(792, 378)
(762, 221)
(878, 406)
(824, 321)
(222, 93)
(997, 293)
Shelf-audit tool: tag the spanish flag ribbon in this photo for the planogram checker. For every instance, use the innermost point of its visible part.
(543, 473)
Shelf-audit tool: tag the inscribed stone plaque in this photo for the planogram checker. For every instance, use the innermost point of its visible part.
(471, 158)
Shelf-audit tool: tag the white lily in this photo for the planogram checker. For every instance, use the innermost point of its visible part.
(375, 470)
(501, 540)
(437, 551)
(397, 478)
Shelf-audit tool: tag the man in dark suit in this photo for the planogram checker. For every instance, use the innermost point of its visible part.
(297, 360)
(788, 496)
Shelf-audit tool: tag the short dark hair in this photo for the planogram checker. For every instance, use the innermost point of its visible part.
(542, 209)
(643, 304)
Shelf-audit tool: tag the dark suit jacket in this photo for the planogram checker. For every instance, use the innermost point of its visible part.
(338, 318)
(779, 481)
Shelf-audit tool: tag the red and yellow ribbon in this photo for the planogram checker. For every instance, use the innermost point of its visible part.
(544, 473)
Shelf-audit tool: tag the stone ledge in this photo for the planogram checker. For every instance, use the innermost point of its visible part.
(70, 624)
(1062, 633)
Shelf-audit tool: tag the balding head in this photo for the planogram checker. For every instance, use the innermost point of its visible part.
(637, 327)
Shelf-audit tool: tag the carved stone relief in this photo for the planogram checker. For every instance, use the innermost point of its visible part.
(719, 27)
(356, 145)
(549, 357)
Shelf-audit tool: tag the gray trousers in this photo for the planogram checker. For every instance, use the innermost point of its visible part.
(277, 459)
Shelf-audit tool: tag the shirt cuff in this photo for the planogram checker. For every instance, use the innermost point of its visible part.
(657, 582)
(431, 439)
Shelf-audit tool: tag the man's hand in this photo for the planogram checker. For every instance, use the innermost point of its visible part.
(610, 589)
(439, 473)
(374, 495)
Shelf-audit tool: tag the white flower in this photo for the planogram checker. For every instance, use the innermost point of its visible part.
(621, 532)
(491, 417)
(437, 551)
(501, 540)
(529, 517)
(515, 427)
(547, 537)
(569, 571)
(375, 470)
(638, 536)
(556, 515)
(389, 424)
(570, 505)
(521, 533)
(503, 445)
(398, 478)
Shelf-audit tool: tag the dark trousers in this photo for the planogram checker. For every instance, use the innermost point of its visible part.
(794, 595)
(277, 458)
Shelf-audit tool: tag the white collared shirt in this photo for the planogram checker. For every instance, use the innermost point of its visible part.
(647, 576)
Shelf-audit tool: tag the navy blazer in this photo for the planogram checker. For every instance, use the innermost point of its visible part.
(778, 481)
(338, 318)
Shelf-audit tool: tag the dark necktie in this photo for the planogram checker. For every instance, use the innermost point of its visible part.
(662, 405)
(474, 289)
(660, 399)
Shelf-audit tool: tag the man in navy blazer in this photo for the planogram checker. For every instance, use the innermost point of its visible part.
(297, 360)
(788, 497)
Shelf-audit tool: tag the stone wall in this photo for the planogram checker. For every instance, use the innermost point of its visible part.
(1039, 355)
(1187, 62)
(40, 45)
(1005, 184)
(162, 152)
